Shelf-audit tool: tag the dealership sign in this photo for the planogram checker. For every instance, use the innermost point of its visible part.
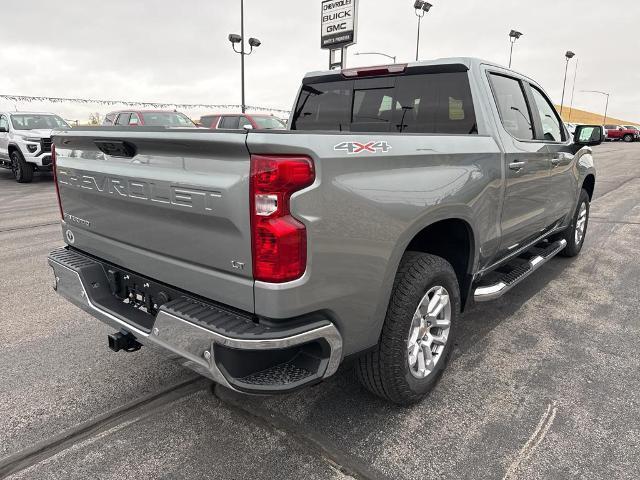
(339, 23)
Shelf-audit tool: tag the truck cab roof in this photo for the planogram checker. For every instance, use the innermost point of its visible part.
(468, 63)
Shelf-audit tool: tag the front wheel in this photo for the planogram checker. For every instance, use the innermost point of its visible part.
(628, 138)
(577, 231)
(418, 332)
(22, 171)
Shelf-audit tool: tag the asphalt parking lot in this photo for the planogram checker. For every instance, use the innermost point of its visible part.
(544, 383)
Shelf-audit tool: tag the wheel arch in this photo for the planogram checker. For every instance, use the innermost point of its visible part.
(454, 240)
(589, 184)
(14, 148)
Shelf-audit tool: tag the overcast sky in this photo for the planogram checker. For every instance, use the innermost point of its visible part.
(178, 52)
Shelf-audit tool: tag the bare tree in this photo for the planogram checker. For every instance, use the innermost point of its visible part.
(95, 119)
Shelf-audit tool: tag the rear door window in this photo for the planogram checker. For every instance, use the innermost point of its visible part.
(423, 103)
(230, 122)
(244, 121)
(324, 106)
(513, 108)
(209, 121)
(109, 119)
(123, 119)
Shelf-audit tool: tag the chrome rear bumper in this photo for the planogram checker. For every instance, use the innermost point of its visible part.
(77, 278)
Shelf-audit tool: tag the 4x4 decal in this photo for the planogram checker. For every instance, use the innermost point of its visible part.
(357, 147)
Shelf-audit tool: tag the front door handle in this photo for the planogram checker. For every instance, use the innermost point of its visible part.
(517, 165)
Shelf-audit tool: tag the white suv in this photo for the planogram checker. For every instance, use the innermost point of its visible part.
(25, 142)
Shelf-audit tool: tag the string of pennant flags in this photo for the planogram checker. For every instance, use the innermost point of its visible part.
(28, 99)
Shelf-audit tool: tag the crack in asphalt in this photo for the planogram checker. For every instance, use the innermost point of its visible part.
(27, 227)
(611, 222)
(126, 414)
(345, 464)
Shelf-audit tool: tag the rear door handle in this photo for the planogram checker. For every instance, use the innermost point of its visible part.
(517, 165)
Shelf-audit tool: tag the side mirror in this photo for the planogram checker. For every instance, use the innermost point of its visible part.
(248, 127)
(588, 135)
(4, 130)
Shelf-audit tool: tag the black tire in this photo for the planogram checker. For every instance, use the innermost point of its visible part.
(22, 171)
(628, 138)
(385, 371)
(574, 247)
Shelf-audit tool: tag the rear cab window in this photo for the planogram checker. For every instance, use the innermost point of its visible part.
(438, 103)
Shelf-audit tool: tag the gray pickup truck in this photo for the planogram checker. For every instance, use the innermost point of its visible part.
(265, 259)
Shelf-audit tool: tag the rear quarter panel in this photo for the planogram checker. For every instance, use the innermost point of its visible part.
(364, 209)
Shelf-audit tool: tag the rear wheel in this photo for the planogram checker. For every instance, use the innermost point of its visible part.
(418, 332)
(628, 138)
(577, 231)
(22, 171)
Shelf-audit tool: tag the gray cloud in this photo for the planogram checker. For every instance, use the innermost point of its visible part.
(178, 52)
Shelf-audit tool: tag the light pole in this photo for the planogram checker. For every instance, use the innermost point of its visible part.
(234, 38)
(392, 57)
(573, 89)
(421, 8)
(513, 36)
(568, 56)
(606, 108)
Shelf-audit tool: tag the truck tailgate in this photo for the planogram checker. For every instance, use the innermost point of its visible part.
(171, 205)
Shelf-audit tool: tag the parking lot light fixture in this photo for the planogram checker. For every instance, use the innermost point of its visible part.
(235, 39)
(420, 8)
(513, 36)
(573, 89)
(606, 107)
(392, 57)
(568, 56)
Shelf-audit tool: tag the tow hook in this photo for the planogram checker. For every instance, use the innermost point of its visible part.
(123, 340)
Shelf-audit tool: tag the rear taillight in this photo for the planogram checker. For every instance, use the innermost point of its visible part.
(55, 179)
(279, 241)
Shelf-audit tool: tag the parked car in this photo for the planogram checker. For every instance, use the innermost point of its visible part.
(148, 118)
(25, 142)
(634, 128)
(236, 121)
(617, 132)
(265, 259)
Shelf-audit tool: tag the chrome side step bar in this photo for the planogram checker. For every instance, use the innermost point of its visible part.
(487, 293)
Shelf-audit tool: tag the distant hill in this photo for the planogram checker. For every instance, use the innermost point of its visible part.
(582, 116)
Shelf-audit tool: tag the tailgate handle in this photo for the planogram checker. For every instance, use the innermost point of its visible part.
(116, 148)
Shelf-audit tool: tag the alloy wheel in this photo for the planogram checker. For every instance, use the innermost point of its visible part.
(581, 223)
(15, 167)
(429, 332)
